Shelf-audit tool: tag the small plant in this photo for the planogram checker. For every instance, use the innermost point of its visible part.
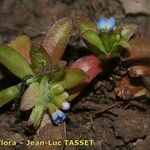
(51, 84)
(110, 41)
(105, 39)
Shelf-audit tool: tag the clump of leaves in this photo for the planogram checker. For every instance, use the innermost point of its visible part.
(50, 83)
(105, 39)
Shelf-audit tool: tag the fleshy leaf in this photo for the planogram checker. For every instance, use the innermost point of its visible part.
(36, 115)
(44, 91)
(73, 77)
(60, 99)
(30, 96)
(92, 66)
(57, 89)
(94, 42)
(40, 60)
(22, 44)
(84, 24)
(51, 108)
(124, 43)
(105, 38)
(15, 62)
(41, 102)
(58, 74)
(126, 33)
(9, 94)
(57, 37)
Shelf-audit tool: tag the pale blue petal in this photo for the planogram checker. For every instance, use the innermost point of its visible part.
(58, 116)
(106, 24)
(101, 23)
(111, 22)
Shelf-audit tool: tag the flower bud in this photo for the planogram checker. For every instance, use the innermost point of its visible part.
(106, 24)
(61, 102)
(57, 115)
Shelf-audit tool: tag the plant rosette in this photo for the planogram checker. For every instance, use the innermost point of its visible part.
(51, 85)
(106, 39)
(112, 43)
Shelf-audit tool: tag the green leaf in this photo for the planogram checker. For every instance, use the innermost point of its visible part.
(74, 92)
(128, 31)
(40, 60)
(84, 24)
(57, 37)
(94, 42)
(15, 62)
(117, 37)
(22, 44)
(60, 99)
(36, 115)
(124, 43)
(51, 108)
(106, 42)
(30, 96)
(57, 75)
(73, 77)
(56, 89)
(41, 102)
(9, 94)
(44, 91)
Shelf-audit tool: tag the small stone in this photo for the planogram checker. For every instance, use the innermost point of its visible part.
(136, 6)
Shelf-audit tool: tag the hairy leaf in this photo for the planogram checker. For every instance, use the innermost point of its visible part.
(105, 38)
(44, 91)
(128, 31)
(125, 34)
(40, 60)
(57, 37)
(30, 96)
(56, 89)
(51, 107)
(84, 24)
(36, 115)
(60, 99)
(124, 43)
(15, 62)
(22, 44)
(55, 76)
(9, 94)
(41, 102)
(92, 66)
(94, 42)
(73, 77)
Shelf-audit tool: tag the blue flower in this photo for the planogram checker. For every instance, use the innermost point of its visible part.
(58, 116)
(106, 24)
